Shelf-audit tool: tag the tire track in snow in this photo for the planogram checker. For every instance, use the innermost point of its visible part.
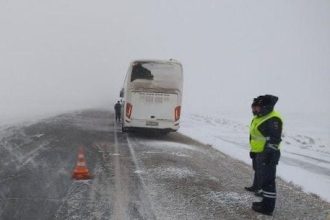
(100, 191)
(31, 155)
(23, 160)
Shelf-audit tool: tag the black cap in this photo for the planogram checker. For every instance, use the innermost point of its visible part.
(265, 100)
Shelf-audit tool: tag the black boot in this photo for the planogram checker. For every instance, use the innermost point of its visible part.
(260, 207)
(250, 188)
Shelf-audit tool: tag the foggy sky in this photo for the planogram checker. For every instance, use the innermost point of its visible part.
(62, 55)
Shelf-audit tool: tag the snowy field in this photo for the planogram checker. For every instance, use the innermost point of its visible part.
(305, 148)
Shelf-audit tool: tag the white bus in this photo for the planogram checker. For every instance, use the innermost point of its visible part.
(152, 95)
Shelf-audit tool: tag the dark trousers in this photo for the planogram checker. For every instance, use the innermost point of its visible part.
(257, 167)
(117, 116)
(268, 182)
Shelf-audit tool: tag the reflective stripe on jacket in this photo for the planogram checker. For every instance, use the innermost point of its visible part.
(257, 140)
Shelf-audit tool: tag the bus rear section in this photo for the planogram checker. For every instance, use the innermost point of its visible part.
(153, 110)
(153, 98)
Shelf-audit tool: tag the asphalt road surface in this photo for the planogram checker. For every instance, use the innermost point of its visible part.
(135, 176)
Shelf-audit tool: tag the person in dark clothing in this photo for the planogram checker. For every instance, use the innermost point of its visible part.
(265, 138)
(118, 111)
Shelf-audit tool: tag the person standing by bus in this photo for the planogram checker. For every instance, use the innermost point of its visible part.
(265, 138)
(118, 111)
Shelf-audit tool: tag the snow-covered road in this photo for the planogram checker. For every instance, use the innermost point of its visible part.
(136, 176)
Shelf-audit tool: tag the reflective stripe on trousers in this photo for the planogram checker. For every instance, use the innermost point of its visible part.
(269, 186)
(267, 194)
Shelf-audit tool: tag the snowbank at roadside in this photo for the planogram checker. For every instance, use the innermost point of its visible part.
(305, 147)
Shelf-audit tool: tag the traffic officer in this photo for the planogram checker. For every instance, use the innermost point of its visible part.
(265, 138)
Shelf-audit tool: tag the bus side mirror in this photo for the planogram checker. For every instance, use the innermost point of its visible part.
(121, 94)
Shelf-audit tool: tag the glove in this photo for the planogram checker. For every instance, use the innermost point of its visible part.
(252, 155)
(271, 154)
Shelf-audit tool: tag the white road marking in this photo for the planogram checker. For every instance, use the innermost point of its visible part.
(121, 203)
(138, 172)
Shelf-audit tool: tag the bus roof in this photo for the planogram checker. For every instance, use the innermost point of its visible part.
(142, 61)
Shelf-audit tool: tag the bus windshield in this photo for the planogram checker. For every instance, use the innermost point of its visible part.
(156, 75)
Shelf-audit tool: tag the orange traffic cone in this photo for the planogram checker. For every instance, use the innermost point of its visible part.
(81, 171)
